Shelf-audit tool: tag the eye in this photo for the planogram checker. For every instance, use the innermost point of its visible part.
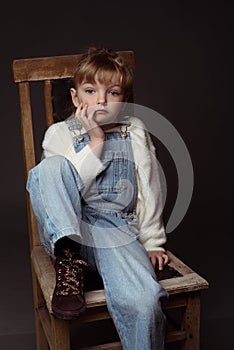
(89, 91)
(114, 93)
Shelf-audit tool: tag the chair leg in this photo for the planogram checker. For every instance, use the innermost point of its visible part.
(39, 301)
(41, 340)
(191, 322)
(60, 334)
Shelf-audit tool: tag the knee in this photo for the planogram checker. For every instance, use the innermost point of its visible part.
(48, 168)
(59, 168)
(54, 163)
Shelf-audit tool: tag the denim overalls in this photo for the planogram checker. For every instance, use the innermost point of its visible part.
(103, 219)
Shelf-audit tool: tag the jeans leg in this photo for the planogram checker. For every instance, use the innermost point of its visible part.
(54, 186)
(133, 296)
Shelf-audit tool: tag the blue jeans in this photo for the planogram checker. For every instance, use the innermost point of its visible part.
(109, 241)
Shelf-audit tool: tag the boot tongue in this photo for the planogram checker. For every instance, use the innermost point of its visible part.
(66, 244)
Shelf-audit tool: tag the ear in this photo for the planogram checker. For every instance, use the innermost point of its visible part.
(74, 97)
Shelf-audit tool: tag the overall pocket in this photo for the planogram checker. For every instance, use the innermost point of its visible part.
(114, 178)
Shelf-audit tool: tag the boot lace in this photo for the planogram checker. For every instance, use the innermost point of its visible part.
(70, 277)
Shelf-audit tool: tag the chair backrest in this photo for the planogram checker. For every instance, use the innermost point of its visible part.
(47, 70)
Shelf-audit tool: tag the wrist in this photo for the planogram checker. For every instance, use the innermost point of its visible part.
(96, 143)
(97, 140)
(97, 146)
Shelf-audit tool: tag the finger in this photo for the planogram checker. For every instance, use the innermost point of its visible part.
(87, 114)
(91, 113)
(160, 263)
(153, 260)
(82, 116)
(78, 110)
(166, 259)
(83, 111)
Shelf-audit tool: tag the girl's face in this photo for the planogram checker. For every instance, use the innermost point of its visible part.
(103, 99)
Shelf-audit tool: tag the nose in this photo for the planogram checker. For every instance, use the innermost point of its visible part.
(101, 100)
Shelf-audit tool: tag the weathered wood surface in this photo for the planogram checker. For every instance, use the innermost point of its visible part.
(56, 67)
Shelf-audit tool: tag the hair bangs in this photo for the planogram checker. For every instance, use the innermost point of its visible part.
(106, 76)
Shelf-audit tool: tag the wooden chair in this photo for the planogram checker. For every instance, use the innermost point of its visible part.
(184, 290)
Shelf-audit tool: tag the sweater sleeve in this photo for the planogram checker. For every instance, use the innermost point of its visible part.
(58, 141)
(149, 204)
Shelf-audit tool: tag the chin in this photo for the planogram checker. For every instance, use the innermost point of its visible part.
(103, 119)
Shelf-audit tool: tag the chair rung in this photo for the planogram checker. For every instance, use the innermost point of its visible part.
(174, 336)
(95, 314)
(108, 346)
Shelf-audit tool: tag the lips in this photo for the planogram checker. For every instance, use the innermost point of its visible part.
(101, 111)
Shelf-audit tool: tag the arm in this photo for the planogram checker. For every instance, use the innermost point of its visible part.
(149, 203)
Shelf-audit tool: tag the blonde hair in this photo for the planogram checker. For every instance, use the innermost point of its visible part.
(101, 64)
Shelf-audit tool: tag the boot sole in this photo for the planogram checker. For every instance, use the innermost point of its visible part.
(68, 315)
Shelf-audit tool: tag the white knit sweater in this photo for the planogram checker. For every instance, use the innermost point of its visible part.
(58, 141)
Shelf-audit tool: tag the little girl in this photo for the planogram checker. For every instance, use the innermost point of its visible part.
(97, 199)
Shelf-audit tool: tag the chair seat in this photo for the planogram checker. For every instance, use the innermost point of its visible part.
(183, 290)
(187, 281)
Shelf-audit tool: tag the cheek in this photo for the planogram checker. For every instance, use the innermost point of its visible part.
(117, 107)
(81, 97)
(88, 100)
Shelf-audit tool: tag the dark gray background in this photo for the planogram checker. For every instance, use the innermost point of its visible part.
(184, 71)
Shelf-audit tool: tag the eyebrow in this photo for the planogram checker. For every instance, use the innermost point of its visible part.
(94, 83)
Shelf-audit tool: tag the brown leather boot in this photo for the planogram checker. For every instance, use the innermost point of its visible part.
(68, 298)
